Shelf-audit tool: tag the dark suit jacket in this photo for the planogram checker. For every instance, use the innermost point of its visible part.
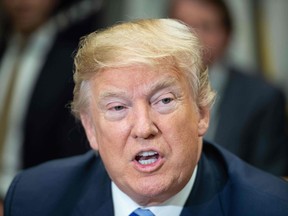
(252, 122)
(224, 185)
(49, 128)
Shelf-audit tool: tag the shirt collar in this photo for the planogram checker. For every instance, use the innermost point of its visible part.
(124, 205)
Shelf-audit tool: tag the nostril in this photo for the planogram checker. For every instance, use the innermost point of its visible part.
(143, 125)
(145, 132)
(144, 136)
(151, 136)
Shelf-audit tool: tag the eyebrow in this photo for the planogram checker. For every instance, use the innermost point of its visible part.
(149, 88)
(114, 92)
(162, 84)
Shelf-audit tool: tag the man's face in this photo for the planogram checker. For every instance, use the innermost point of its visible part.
(147, 128)
(28, 15)
(207, 21)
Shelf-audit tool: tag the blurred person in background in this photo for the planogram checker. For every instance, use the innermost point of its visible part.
(248, 117)
(36, 84)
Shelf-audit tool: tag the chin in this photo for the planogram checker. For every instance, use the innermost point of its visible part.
(152, 191)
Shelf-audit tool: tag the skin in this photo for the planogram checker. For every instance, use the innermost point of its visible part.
(207, 21)
(28, 15)
(136, 109)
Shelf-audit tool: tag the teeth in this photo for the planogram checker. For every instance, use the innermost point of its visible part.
(149, 153)
(149, 161)
(147, 157)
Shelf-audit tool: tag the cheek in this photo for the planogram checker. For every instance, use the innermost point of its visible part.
(111, 136)
(186, 119)
(183, 131)
(112, 142)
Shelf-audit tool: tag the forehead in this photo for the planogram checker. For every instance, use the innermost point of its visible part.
(138, 77)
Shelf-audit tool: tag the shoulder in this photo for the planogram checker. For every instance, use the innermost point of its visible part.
(44, 186)
(249, 187)
(57, 169)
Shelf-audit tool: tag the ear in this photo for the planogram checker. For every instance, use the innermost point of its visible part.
(203, 124)
(89, 127)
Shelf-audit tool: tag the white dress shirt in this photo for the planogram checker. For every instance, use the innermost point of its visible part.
(124, 205)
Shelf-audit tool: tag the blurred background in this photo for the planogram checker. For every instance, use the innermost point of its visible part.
(260, 38)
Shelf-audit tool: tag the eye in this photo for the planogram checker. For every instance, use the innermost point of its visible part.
(115, 107)
(165, 103)
(166, 100)
(115, 111)
(118, 108)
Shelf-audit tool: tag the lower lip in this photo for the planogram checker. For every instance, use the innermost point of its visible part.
(148, 167)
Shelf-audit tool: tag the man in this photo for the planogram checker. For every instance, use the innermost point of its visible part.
(143, 97)
(249, 117)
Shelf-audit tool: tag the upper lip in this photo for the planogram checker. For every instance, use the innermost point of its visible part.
(147, 152)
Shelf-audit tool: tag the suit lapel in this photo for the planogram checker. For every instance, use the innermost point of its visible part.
(50, 96)
(204, 198)
(97, 197)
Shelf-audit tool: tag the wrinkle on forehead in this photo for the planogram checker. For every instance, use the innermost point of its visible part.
(149, 88)
(137, 80)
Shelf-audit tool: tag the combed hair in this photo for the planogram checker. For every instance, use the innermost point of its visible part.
(150, 42)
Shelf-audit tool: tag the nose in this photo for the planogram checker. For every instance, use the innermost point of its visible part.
(143, 125)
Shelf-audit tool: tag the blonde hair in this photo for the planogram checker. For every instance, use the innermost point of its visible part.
(152, 42)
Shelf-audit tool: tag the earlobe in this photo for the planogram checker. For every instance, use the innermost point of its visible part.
(203, 123)
(89, 130)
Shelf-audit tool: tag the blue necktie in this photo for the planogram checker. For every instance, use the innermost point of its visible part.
(142, 212)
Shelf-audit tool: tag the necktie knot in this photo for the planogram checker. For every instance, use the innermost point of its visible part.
(142, 212)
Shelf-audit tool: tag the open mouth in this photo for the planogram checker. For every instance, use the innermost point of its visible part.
(147, 157)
